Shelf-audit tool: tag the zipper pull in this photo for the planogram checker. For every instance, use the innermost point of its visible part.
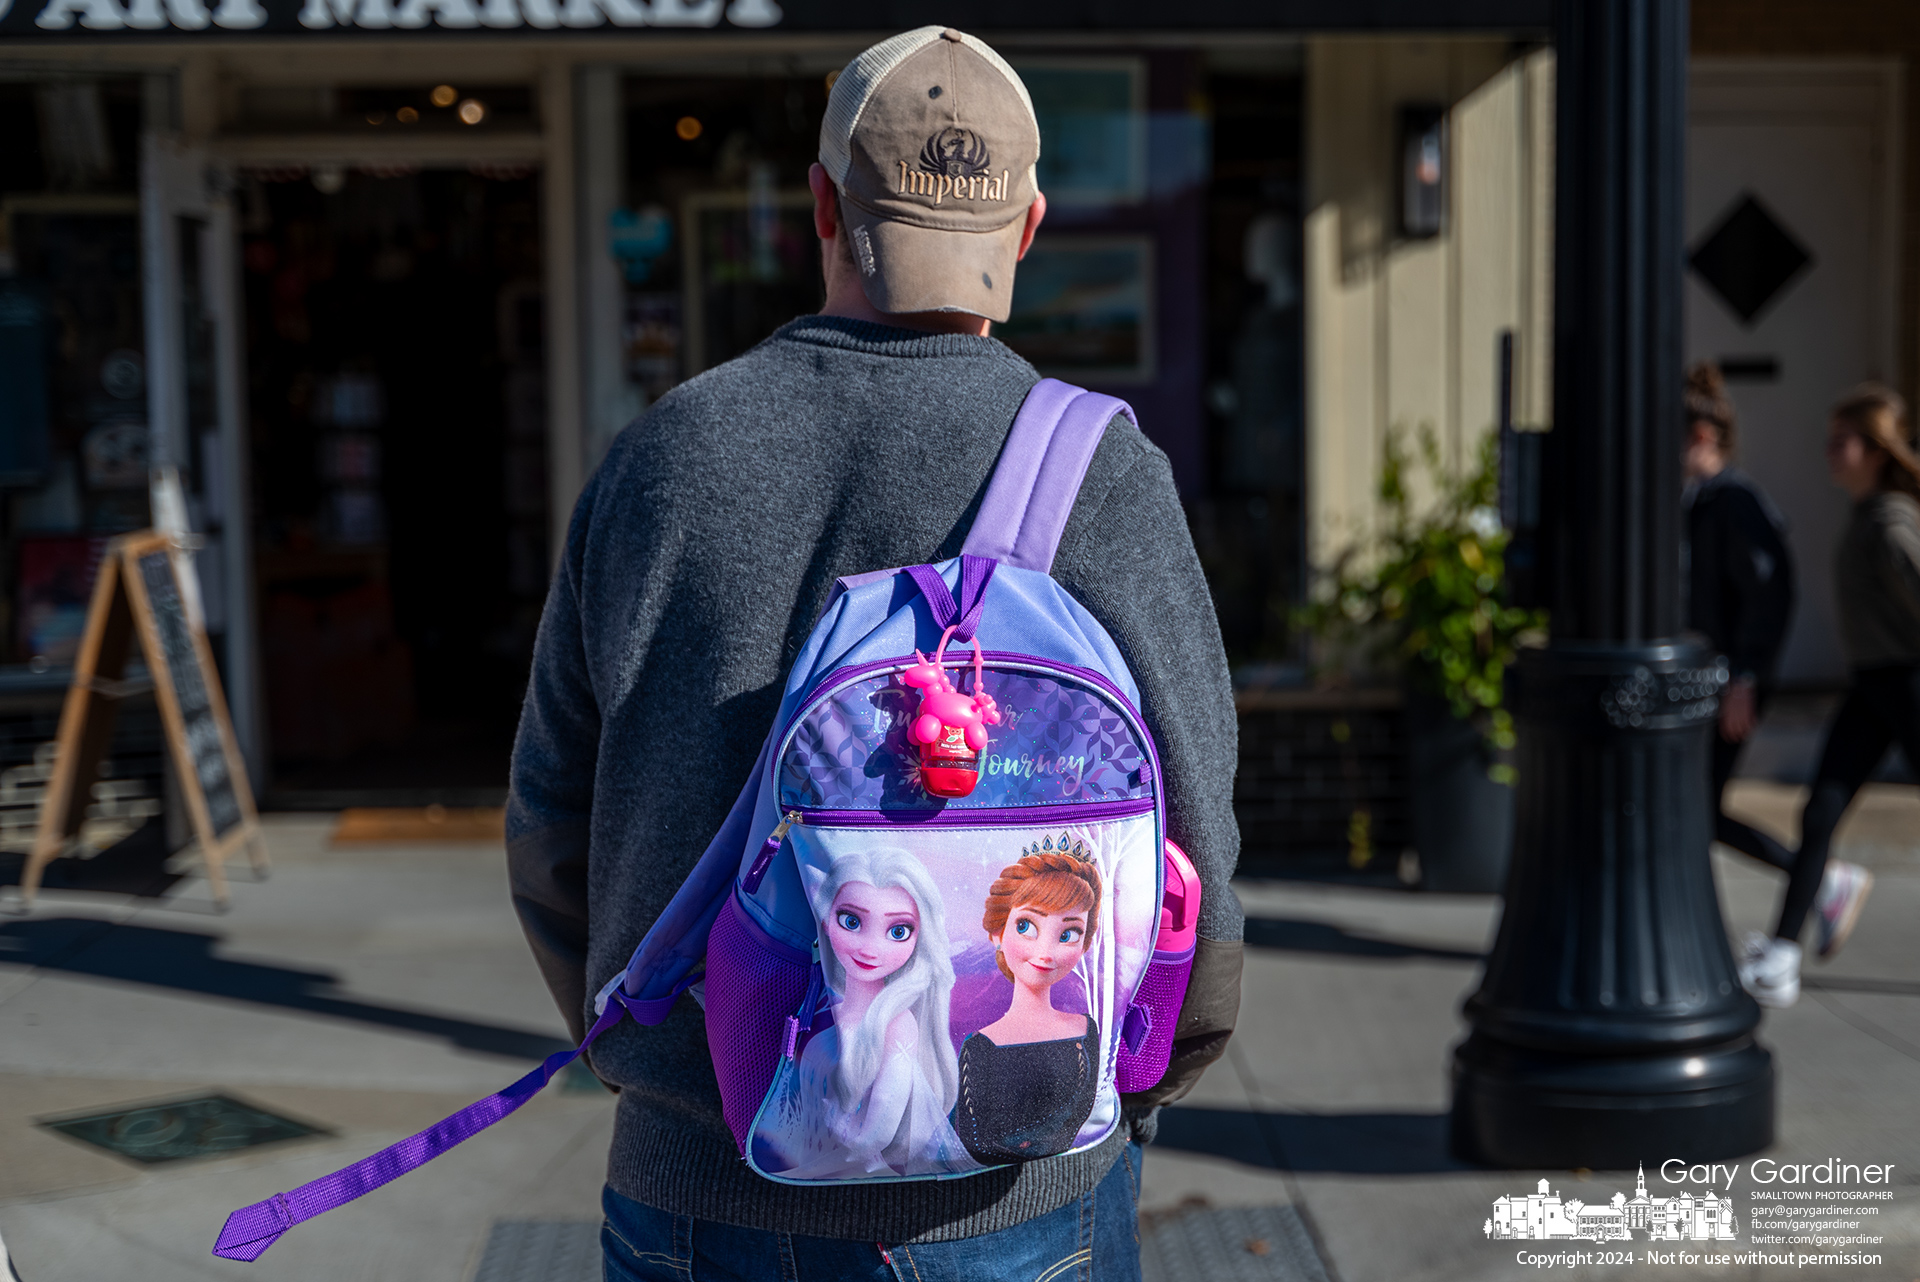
(757, 871)
(800, 1023)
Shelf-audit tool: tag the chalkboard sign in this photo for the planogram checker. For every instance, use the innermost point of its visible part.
(200, 728)
(138, 596)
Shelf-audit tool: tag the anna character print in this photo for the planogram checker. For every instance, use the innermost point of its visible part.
(1028, 1080)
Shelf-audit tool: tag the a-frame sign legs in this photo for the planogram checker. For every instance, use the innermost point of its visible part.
(137, 597)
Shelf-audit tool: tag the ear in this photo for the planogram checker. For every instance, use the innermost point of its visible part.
(826, 203)
(1035, 212)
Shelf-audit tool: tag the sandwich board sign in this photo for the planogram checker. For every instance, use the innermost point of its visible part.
(141, 597)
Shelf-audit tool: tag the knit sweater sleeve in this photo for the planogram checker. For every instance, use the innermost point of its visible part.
(550, 797)
(1127, 556)
(1899, 568)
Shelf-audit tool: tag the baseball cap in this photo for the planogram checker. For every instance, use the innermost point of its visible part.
(931, 139)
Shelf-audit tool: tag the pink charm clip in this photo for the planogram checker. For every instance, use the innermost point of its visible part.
(949, 727)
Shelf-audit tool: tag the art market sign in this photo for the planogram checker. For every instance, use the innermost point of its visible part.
(140, 20)
(80, 18)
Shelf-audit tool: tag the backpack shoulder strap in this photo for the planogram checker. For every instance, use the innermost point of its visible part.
(1039, 473)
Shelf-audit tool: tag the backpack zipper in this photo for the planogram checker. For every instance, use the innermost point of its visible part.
(1006, 660)
(946, 817)
(757, 871)
(973, 816)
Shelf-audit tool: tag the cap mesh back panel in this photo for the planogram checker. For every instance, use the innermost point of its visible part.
(864, 74)
(849, 96)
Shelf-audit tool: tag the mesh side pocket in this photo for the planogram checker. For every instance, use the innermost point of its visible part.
(1162, 990)
(753, 984)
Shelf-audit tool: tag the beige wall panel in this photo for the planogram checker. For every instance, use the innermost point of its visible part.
(1342, 392)
(1413, 360)
(1533, 395)
(1402, 334)
(1489, 219)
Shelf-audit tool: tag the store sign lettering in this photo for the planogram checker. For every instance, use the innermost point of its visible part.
(385, 15)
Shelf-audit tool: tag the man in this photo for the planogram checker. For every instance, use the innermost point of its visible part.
(698, 558)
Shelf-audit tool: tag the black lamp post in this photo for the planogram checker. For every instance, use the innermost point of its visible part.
(1610, 1026)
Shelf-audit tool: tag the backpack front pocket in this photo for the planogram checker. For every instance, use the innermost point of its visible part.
(974, 980)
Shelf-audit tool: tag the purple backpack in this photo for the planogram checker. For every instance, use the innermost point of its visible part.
(942, 929)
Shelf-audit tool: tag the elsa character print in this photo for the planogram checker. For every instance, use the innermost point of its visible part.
(870, 1095)
(1028, 1081)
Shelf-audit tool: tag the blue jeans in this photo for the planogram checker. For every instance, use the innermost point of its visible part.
(1093, 1237)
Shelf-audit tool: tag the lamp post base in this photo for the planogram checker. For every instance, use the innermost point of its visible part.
(1536, 1109)
(1610, 1025)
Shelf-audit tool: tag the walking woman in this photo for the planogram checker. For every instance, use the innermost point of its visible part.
(1877, 582)
(1740, 589)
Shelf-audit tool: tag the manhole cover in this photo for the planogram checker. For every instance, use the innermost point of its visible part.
(542, 1251)
(152, 1133)
(1228, 1244)
(1748, 258)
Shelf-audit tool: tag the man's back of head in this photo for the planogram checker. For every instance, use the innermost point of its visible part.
(926, 190)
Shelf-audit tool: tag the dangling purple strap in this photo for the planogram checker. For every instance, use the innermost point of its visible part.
(1039, 473)
(962, 616)
(250, 1230)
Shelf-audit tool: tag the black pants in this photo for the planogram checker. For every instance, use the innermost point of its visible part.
(1727, 830)
(1882, 708)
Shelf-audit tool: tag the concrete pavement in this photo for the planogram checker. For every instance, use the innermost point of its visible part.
(1336, 1096)
(370, 990)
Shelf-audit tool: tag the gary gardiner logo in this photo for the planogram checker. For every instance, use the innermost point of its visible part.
(955, 162)
(1541, 1216)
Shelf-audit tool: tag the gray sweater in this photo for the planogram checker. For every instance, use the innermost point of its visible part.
(698, 557)
(1876, 573)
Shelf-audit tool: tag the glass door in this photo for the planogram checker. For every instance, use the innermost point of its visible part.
(197, 459)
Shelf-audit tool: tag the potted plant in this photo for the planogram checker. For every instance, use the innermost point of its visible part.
(1422, 595)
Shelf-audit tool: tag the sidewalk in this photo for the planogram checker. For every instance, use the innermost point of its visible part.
(369, 990)
(1334, 1095)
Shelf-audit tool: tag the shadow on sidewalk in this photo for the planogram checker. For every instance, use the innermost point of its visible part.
(135, 865)
(184, 961)
(1328, 1143)
(1324, 937)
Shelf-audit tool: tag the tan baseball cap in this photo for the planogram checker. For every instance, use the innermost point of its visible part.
(931, 138)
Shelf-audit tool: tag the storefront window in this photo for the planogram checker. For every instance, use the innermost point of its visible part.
(1250, 525)
(716, 242)
(73, 413)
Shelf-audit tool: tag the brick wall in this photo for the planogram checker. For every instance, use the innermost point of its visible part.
(1311, 760)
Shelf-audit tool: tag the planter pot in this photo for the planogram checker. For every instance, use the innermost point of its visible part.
(1461, 821)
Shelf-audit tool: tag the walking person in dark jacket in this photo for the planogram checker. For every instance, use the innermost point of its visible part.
(1877, 581)
(1740, 589)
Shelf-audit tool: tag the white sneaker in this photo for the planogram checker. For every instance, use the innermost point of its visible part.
(1843, 889)
(1770, 970)
(7, 1272)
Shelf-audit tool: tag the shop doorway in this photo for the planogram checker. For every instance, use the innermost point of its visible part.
(395, 362)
